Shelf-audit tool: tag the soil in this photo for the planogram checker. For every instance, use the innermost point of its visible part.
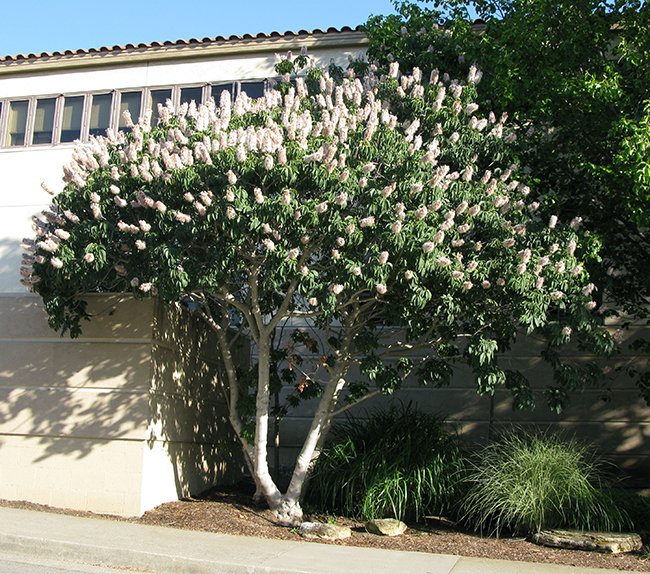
(231, 510)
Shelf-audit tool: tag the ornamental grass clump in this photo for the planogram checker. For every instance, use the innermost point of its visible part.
(399, 462)
(524, 483)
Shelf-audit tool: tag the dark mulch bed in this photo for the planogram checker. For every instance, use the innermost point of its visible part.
(231, 510)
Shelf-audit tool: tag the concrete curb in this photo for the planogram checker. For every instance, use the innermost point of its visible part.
(170, 551)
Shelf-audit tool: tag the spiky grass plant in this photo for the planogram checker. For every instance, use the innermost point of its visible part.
(398, 462)
(526, 482)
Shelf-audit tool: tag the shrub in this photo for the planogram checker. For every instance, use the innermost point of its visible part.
(528, 482)
(399, 462)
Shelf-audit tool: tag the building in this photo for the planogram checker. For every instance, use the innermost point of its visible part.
(128, 416)
(108, 422)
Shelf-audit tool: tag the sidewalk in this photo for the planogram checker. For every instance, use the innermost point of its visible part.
(170, 551)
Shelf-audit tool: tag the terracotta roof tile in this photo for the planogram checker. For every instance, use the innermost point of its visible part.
(180, 42)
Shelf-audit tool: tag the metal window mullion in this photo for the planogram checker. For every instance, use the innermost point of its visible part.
(145, 102)
(58, 120)
(85, 118)
(115, 111)
(4, 114)
(29, 124)
(205, 94)
(176, 96)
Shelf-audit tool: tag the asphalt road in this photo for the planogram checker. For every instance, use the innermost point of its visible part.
(14, 564)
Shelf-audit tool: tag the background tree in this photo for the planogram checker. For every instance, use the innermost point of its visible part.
(396, 241)
(575, 79)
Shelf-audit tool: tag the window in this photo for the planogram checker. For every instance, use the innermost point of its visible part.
(100, 114)
(17, 128)
(218, 88)
(254, 89)
(72, 115)
(65, 118)
(158, 97)
(192, 94)
(130, 101)
(44, 121)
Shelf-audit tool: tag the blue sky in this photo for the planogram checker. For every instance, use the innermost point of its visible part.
(74, 24)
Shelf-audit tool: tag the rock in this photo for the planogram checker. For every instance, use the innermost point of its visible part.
(386, 526)
(312, 530)
(612, 543)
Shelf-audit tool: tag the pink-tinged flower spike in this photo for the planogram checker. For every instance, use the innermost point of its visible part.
(293, 253)
(577, 270)
(56, 262)
(321, 207)
(367, 221)
(501, 281)
(417, 187)
(443, 261)
(463, 228)
(389, 189)
(344, 175)
(509, 242)
(141, 245)
(560, 266)
(521, 269)
(304, 271)
(590, 306)
(539, 283)
(557, 295)
(336, 254)
(397, 227)
(457, 274)
(336, 288)
(351, 228)
(268, 162)
(341, 198)
(259, 198)
(340, 241)
(486, 284)
(553, 248)
(62, 234)
(381, 288)
(135, 282)
(268, 243)
(439, 237)
(468, 285)
(472, 265)
(356, 271)
(553, 221)
(286, 197)
(575, 222)
(313, 301)
(89, 258)
(588, 289)
(232, 178)
(383, 257)
(567, 331)
(572, 247)
(421, 212)
(409, 274)
(160, 206)
(428, 246)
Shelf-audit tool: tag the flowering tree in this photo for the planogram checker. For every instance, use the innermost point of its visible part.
(575, 79)
(397, 240)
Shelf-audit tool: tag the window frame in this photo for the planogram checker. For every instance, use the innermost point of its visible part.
(236, 87)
